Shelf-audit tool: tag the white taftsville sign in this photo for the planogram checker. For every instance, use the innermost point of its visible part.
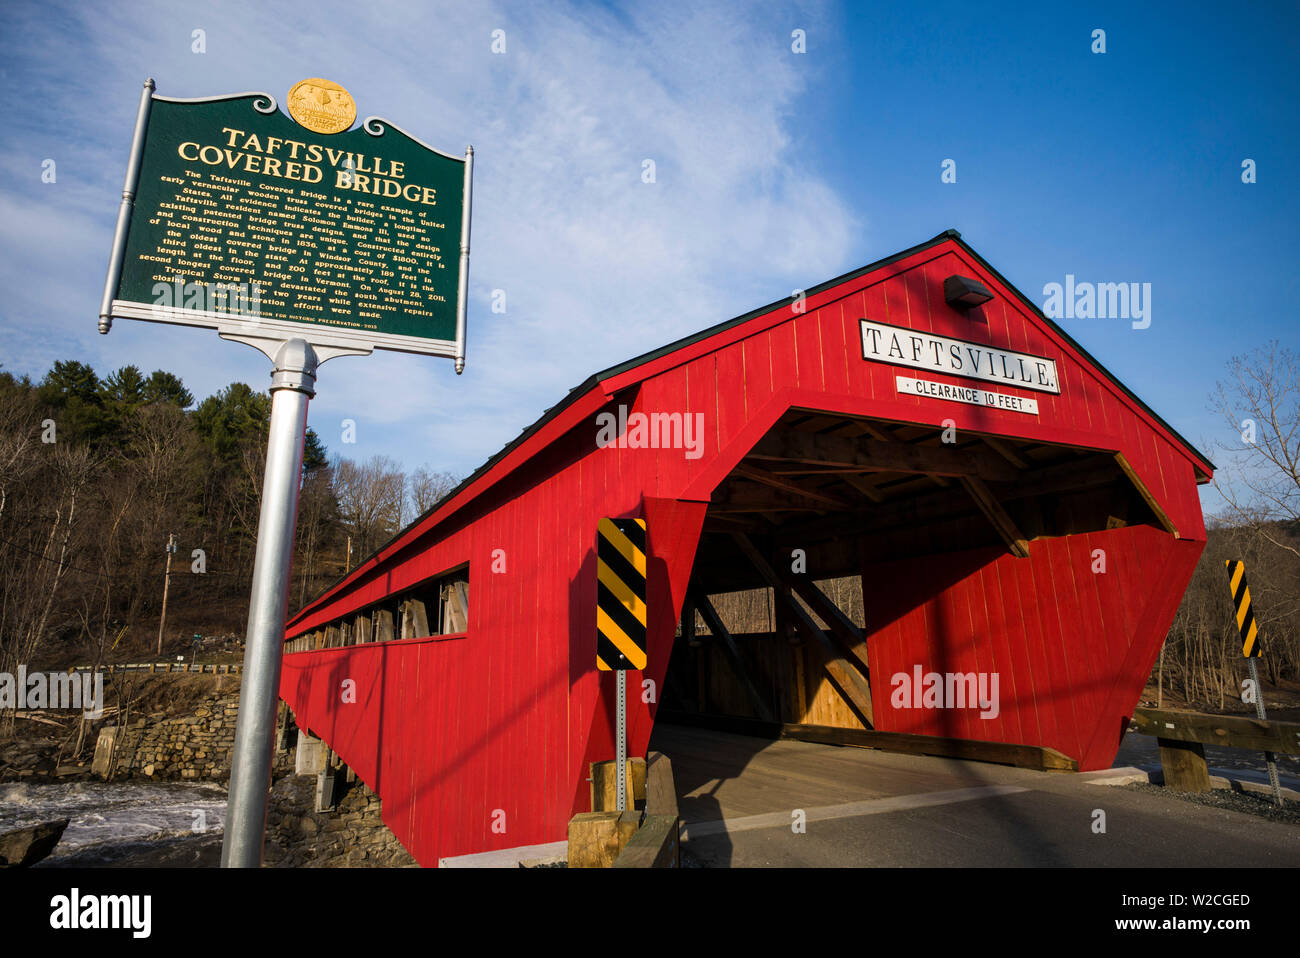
(957, 357)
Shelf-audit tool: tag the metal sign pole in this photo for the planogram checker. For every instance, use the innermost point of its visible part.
(1269, 757)
(293, 383)
(620, 765)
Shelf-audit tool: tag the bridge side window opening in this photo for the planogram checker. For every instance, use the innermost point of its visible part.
(437, 606)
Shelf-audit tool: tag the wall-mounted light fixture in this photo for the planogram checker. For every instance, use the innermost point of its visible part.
(962, 292)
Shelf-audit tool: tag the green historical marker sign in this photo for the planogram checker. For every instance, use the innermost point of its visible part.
(308, 240)
(243, 220)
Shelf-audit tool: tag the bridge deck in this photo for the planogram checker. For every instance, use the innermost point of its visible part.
(869, 808)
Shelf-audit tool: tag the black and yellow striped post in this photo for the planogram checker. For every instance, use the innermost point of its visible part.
(620, 598)
(620, 620)
(1250, 645)
(1252, 649)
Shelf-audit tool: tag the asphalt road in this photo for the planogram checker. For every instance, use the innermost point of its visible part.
(741, 800)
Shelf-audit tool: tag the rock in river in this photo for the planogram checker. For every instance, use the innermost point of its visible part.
(26, 846)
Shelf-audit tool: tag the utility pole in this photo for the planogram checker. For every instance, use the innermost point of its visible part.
(167, 581)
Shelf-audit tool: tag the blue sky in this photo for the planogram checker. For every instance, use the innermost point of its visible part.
(775, 171)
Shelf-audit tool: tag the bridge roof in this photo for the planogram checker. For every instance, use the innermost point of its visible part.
(589, 396)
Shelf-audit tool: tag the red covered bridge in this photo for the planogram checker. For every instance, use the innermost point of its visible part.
(1023, 525)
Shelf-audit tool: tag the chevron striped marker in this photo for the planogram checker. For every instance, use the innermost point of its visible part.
(1250, 645)
(620, 594)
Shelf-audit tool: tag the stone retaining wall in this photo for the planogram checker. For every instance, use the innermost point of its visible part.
(353, 835)
(191, 747)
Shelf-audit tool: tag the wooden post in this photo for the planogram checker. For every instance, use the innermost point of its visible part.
(604, 780)
(1184, 765)
(723, 640)
(800, 685)
(167, 581)
(595, 839)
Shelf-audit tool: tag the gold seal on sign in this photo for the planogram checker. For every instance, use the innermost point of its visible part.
(322, 106)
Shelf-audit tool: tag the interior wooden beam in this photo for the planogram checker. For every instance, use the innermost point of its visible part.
(853, 686)
(718, 524)
(794, 446)
(931, 507)
(784, 627)
(997, 516)
(688, 624)
(851, 637)
(836, 471)
(1161, 516)
(673, 684)
(776, 482)
(876, 433)
(735, 497)
(1006, 451)
(728, 645)
(903, 513)
(860, 427)
(1071, 476)
(864, 487)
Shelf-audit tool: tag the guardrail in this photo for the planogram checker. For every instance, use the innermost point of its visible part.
(657, 843)
(1182, 737)
(167, 667)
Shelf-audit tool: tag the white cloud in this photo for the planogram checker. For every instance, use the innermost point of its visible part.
(597, 266)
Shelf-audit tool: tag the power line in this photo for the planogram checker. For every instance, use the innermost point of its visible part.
(94, 572)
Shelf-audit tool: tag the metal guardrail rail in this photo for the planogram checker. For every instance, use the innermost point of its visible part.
(198, 668)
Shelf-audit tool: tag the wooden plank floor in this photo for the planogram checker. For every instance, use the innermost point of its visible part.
(723, 775)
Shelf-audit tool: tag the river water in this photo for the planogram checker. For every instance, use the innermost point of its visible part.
(122, 823)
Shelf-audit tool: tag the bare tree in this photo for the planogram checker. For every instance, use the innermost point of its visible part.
(370, 499)
(317, 509)
(1261, 404)
(426, 488)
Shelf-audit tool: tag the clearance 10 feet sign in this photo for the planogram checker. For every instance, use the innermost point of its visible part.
(253, 223)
